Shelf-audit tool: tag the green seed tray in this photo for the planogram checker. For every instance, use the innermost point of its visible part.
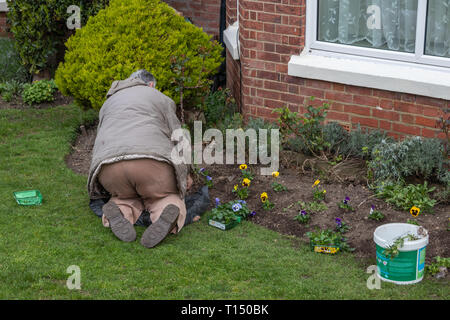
(28, 198)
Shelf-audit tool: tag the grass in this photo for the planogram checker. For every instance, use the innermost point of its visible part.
(10, 66)
(38, 244)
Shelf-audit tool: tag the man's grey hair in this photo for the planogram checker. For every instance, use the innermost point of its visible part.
(144, 75)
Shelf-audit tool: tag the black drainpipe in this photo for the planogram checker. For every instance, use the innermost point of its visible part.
(220, 80)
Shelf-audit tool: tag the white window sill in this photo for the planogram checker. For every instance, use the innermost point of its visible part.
(231, 40)
(3, 6)
(372, 73)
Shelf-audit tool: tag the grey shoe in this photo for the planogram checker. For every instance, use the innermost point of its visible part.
(121, 227)
(159, 230)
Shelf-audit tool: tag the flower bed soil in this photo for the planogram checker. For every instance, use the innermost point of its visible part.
(349, 182)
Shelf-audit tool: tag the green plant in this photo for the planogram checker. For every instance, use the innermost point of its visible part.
(341, 226)
(412, 221)
(40, 29)
(136, 34)
(314, 207)
(406, 197)
(307, 129)
(392, 251)
(345, 205)
(39, 91)
(229, 212)
(303, 217)
(436, 266)
(277, 187)
(328, 237)
(266, 204)
(375, 214)
(11, 89)
(241, 191)
(246, 172)
(318, 192)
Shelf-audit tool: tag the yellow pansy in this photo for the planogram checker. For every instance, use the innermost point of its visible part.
(275, 174)
(264, 197)
(414, 211)
(316, 183)
(235, 187)
(246, 182)
(243, 167)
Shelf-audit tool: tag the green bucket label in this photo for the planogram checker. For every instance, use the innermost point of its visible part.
(407, 266)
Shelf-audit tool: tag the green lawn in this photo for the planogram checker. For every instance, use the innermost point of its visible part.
(38, 244)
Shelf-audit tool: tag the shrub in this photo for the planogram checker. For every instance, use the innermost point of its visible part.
(307, 130)
(361, 143)
(39, 28)
(39, 91)
(218, 105)
(10, 63)
(131, 35)
(413, 156)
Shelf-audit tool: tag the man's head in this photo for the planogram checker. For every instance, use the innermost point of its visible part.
(145, 76)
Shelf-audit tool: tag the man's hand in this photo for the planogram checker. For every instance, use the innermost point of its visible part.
(189, 182)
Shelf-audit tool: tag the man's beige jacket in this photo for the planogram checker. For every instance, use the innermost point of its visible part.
(136, 122)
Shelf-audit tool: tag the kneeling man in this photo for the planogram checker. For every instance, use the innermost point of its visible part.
(132, 163)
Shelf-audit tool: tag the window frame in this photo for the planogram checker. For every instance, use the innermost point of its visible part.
(419, 57)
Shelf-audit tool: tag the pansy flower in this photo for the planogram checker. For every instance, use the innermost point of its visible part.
(414, 211)
(264, 197)
(217, 202)
(243, 167)
(253, 213)
(303, 213)
(347, 199)
(208, 178)
(316, 183)
(246, 182)
(236, 207)
(275, 174)
(339, 222)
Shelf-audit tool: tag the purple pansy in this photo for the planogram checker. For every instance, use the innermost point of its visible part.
(201, 170)
(253, 214)
(303, 213)
(208, 178)
(217, 202)
(242, 201)
(347, 199)
(339, 222)
(236, 207)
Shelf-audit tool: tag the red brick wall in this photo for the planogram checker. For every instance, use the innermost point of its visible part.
(273, 30)
(3, 26)
(203, 13)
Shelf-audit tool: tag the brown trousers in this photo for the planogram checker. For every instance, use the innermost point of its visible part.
(141, 184)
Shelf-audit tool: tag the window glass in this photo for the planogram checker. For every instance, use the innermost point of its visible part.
(438, 28)
(381, 24)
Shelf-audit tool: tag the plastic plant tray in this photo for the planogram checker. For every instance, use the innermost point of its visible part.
(324, 249)
(28, 198)
(223, 226)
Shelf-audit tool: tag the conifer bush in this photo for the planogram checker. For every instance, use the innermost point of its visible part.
(129, 35)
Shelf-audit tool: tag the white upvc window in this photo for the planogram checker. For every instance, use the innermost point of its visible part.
(415, 31)
(396, 45)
